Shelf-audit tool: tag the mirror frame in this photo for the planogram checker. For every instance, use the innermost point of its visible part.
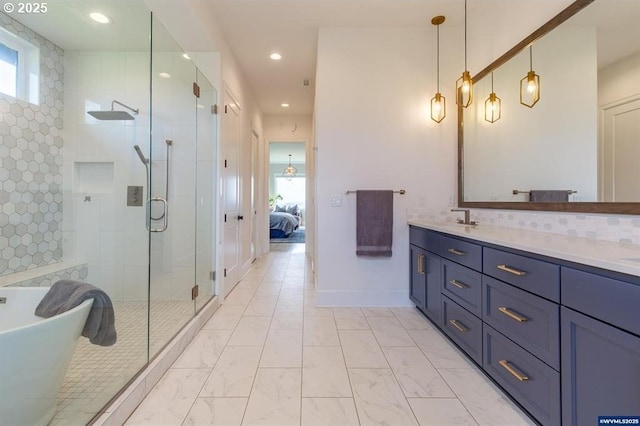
(578, 207)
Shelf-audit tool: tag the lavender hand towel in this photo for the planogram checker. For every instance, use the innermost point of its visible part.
(374, 223)
(67, 294)
(548, 196)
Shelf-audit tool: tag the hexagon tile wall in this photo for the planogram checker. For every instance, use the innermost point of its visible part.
(31, 165)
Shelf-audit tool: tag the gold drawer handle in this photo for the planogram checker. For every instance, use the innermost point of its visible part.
(456, 252)
(511, 270)
(459, 284)
(421, 264)
(459, 326)
(512, 314)
(515, 373)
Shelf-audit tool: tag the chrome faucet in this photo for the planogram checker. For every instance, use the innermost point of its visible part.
(467, 217)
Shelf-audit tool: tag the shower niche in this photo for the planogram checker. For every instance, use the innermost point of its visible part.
(93, 177)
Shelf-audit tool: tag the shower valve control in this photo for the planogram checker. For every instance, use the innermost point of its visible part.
(134, 196)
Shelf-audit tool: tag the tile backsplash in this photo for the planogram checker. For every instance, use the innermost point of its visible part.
(620, 228)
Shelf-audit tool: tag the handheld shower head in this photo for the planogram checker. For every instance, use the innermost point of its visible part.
(114, 115)
(144, 160)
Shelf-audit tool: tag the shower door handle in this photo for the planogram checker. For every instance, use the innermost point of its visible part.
(165, 206)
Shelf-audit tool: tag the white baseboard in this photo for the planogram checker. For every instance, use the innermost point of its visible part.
(363, 299)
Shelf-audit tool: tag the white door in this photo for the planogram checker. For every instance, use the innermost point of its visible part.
(254, 194)
(230, 198)
(621, 153)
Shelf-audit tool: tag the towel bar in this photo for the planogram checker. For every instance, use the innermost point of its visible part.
(516, 192)
(400, 191)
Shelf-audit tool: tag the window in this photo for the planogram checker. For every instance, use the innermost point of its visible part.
(292, 189)
(19, 68)
(8, 70)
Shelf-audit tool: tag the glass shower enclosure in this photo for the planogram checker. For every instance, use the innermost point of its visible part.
(107, 177)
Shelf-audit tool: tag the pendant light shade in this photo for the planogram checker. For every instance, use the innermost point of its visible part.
(492, 106)
(464, 85)
(290, 170)
(438, 102)
(530, 85)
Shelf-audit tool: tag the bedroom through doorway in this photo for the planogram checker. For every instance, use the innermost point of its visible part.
(287, 192)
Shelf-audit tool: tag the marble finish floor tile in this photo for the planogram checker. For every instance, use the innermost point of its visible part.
(441, 411)
(324, 373)
(389, 332)
(361, 349)
(378, 398)
(377, 312)
(283, 348)
(275, 398)
(204, 349)
(216, 411)
(225, 318)
(486, 403)
(250, 331)
(417, 377)
(350, 319)
(320, 331)
(440, 352)
(329, 412)
(234, 372)
(170, 400)
(411, 318)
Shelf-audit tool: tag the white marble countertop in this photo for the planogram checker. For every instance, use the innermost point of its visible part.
(620, 257)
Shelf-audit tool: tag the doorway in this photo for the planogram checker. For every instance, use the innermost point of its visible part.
(287, 175)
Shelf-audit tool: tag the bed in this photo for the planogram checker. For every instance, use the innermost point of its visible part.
(282, 224)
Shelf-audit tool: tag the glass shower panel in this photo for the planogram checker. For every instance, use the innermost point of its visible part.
(205, 189)
(74, 184)
(173, 189)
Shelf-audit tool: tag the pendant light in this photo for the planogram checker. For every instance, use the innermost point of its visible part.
(290, 170)
(464, 85)
(530, 85)
(492, 106)
(438, 102)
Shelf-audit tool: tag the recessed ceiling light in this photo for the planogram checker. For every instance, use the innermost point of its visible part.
(164, 75)
(101, 18)
(285, 105)
(275, 56)
(184, 55)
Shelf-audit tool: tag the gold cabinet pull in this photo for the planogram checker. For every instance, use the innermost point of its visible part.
(458, 284)
(511, 270)
(421, 264)
(515, 373)
(459, 326)
(456, 252)
(508, 312)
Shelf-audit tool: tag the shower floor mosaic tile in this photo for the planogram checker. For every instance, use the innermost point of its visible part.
(97, 373)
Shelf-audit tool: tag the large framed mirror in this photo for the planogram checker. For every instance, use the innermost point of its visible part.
(578, 148)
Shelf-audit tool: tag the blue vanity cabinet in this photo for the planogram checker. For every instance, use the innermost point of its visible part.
(600, 370)
(424, 285)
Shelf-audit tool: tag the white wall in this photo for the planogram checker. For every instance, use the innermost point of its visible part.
(550, 146)
(619, 81)
(373, 131)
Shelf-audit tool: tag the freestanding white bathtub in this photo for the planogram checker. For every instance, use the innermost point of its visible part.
(34, 355)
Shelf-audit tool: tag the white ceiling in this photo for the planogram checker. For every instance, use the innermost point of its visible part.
(255, 28)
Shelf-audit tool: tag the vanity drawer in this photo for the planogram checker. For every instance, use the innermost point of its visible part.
(613, 301)
(425, 239)
(462, 285)
(463, 327)
(528, 380)
(533, 275)
(528, 320)
(462, 252)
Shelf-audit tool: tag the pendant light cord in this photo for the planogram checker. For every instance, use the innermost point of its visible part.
(530, 58)
(465, 34)
(438, 57)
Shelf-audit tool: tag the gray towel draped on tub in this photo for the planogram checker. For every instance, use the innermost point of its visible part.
(67, 294)
(374, 223)
(548, 196)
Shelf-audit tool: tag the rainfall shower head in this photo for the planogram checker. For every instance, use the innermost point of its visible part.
(114, 115)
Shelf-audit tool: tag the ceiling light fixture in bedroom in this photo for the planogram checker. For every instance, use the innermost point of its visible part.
(290, 170)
